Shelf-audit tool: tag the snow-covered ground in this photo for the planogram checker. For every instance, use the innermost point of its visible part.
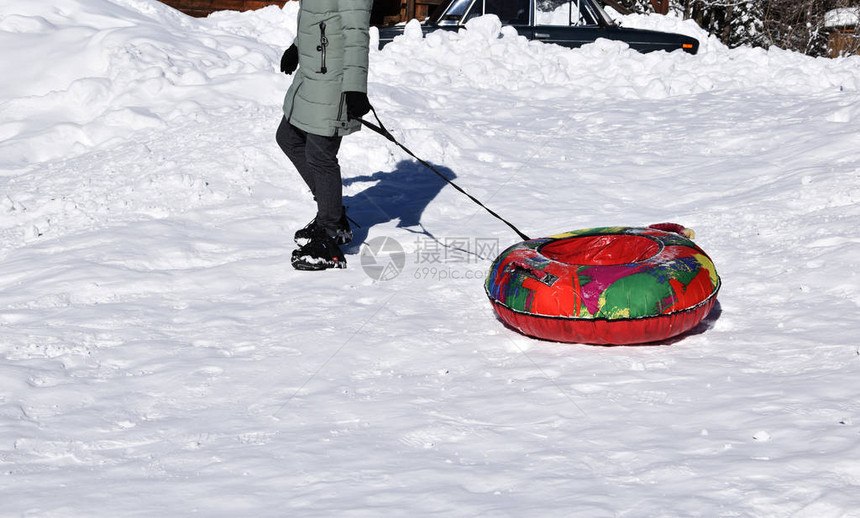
(161, 357)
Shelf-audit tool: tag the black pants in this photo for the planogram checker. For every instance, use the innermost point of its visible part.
(315, 157)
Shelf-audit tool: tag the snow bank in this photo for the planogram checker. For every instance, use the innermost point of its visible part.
(487, 55)
(77, 74)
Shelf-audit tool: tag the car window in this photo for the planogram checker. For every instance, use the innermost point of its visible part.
(564, 12)
(593, 14)
(457, 9)
(510, 12)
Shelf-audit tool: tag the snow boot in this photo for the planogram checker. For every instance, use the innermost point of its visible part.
(344, 231)
(320, 253)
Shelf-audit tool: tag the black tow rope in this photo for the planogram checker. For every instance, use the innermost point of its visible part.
(387, 134)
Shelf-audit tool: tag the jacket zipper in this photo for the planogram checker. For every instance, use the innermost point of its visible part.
(321, 48)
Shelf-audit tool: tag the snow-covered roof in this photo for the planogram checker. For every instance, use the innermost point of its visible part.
(842, 17)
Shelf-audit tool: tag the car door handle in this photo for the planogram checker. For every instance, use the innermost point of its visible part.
(541, 35)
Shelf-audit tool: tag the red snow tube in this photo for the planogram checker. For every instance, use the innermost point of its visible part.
(612, 285)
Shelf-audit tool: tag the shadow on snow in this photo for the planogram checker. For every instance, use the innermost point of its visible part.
(401, 194)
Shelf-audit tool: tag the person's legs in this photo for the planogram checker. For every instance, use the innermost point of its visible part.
(321, 156)
(315, 158)
(292, 142)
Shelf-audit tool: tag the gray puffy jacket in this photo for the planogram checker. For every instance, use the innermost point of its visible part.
(333, 44)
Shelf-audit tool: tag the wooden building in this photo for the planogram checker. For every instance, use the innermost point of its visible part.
(202, 8)
(419, 9)
(843, 31)
(385, 12)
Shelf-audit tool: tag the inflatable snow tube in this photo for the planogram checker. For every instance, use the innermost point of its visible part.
(611, 286)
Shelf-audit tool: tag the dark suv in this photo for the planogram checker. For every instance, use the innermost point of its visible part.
(570, 23)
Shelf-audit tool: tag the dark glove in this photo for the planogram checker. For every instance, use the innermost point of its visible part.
(290, 60)
(357, 104)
